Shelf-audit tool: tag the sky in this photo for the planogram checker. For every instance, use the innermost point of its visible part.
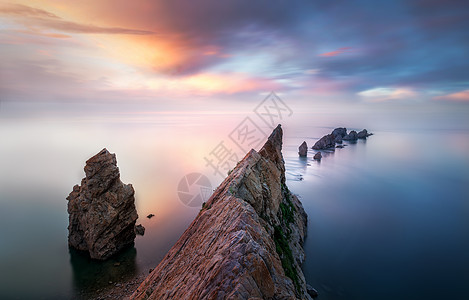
(359, 52)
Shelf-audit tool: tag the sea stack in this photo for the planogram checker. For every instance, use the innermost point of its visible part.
(245, 243)
(102, 210)
(303, 149)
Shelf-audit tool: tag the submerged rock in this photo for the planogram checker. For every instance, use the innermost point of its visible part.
(352, 136)
(312, 291)
(245, 243)
(303, 149)
(102, 210)
(139, 229)
(318, 156)
(326, 142)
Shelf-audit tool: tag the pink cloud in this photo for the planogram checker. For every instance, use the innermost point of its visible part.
(379, 94)
(461, 96)
(336, 52)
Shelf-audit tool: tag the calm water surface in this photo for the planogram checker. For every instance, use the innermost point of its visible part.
(388, 217)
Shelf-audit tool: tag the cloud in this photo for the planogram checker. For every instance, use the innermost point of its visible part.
(404, 46)
(462, 96)
(387, 93)
(44, 34)
(25, 11)
(73, 27)
(336, 52)
(34, 17)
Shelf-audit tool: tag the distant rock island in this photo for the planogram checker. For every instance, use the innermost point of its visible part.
(338, 135)
(102, 210)
(245, 243)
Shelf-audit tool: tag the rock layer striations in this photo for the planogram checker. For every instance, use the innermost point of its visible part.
(102, 210)
(246, 242)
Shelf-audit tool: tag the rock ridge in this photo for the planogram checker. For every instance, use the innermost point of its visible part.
(245, 243)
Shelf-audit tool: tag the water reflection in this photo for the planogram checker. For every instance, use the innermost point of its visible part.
(303, 163)
(90, 275)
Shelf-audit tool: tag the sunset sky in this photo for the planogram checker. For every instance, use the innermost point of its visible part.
(154, 51)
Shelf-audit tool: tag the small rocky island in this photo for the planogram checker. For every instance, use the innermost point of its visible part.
(102, 210)
(303, 149)
(338, 135)
(245, 243)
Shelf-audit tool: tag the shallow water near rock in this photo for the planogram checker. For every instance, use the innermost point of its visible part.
(388, 216)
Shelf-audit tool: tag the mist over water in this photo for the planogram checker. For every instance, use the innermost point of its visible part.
(387, 217)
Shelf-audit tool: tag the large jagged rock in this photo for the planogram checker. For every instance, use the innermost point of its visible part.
(326, 142)
(246, 242)
(102, 210)
(303, 149)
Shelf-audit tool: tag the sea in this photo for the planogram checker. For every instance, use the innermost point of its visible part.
(388, 217)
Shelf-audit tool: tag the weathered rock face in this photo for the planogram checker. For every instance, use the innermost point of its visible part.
(352, 136)
(102, 210)
(326, 142)
(303, 149)
(246, 243)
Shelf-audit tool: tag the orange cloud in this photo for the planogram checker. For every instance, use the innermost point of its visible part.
(461, 96)
(336, 52)
(25, 11)
(123, 47)
(173, 51)
(45, 34)
(35, 17)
